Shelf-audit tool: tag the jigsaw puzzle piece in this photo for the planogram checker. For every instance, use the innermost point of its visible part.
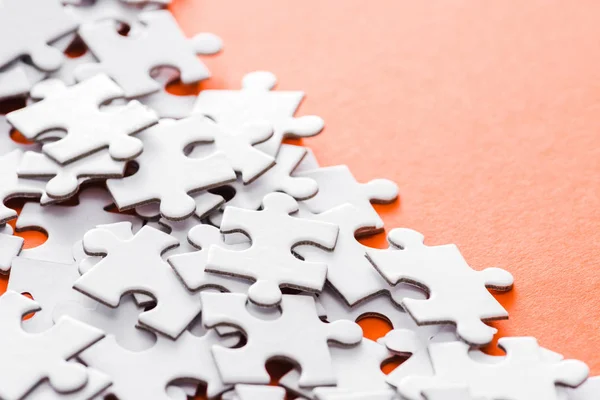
(165, 104)
(136, 265)
(166, 174)
(65, 179)
(11, 186)
(257, 101)
(90, 211)
(89, 129)
(129, 60)
(206, 203)
(7, 144)
(14, 81)
(357, 369)
(276, 179)
(269, 261)
(441, 270)
(10, 247)
(119, 322)
(298, 335)
(337, 186)
(522, 374)
(146, 374)
(90, 12)
(39, 22)
(588, 390)
(29, 359)
(191, 266)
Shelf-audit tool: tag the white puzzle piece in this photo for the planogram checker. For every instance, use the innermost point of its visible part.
(14, 81)
(97, 382)
(357, 370)
(337, 186)
(64, 179)
(28, 359)
(39, 22)
(7, 144)
(298, 335)
(206, 203)
(89, 129)
(191, 266)
(269, 261)
(119, 322)
(49, 284)
(129, 59)
(179, 230)
(86, 215)
(523, 374)
(245, 159)
(166, 174)
(276, 179)
(348, 269)
(10, 247)
(146, 374)
(456, 393)
(255, 392)
(256, 100)
(11, 186)
(136, 265)
(457, 293)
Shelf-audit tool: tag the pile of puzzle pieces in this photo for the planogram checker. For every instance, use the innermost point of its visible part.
(229, 249)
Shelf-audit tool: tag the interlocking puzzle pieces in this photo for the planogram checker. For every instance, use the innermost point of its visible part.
(38, 22)
(245, 159)
(136, 265)
(338, 186)
(65, 179)
(166, 174)
(90, 211)
(458, 294)
(191, 267)
(276, 179)
(29, 359)
(255, 392)
(357, 370)
(129, 59)
(256, 100)
(11, 186)
(348, 270)
(146, 374)
(89, 129)
(269, 260)
(297, 335)
(526, 372)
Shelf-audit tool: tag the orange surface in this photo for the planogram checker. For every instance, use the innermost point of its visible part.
(487, 114)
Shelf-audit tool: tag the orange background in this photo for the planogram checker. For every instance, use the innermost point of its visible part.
(487, 115)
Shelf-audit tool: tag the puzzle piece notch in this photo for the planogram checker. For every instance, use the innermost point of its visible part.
(269, 261)
(522, 374)
(440, 270)
(31, 358)
(160, 43)
(234, 108)
(298, 335)
(89, 129)
(165, 174)
(64, 179)
(39, 22)
(338, 186)
(136, 265)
